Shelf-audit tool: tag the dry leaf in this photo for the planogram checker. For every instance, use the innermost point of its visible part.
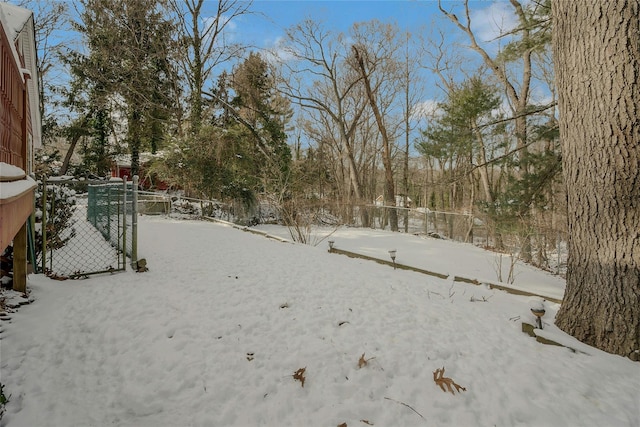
(438, 377)
(366, 422)
(342, 425)
(299, 375)
(362, 362)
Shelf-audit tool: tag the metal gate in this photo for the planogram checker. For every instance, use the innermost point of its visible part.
(85, 227)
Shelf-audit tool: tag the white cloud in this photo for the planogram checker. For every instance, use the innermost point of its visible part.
(228, 26)
(425, 110)
(491, 22)
(278, 51)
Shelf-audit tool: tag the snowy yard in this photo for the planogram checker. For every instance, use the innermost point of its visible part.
(213, 333)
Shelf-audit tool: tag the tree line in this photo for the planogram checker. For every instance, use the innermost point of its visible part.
(331, 120)
(330, 117)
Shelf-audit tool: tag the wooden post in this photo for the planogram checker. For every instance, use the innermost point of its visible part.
(20, 260)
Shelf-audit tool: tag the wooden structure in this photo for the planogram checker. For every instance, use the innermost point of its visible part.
(20, 132)
(121, 167)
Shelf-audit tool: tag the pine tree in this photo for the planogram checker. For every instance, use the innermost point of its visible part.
(129, 53)
(266, 114)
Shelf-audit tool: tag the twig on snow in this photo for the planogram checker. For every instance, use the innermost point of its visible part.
(408, 406)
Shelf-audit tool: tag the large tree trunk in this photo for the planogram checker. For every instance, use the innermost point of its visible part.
(67, 157)
(77, 132)
(597, 61)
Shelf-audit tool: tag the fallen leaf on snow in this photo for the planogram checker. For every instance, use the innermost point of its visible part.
(442, 381)
(299, 375)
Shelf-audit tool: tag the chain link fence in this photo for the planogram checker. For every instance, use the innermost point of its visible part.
(545, 242)
(445, 225)
(84, 227)
(179, 206)
(108, 207)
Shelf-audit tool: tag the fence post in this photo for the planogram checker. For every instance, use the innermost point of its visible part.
(558, 251)
(124, 222)
(108, 213)
(134, 224)
(43, 224)
(53, 207)
(426, 221)
(486, 229)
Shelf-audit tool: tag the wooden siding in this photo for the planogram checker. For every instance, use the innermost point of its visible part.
(15, 138)
(12, 107)
(14, 128)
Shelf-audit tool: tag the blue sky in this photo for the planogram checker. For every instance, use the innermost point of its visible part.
(267, 25)
(489, 18)
(340, 15)
(272, 17)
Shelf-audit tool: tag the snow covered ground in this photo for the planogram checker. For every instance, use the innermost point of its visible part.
(213, 333)
(444, 257)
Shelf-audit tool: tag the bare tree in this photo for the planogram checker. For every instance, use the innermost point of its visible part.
(377, 61)
(319, 80)
(412, 89)
(51, 24)
(204, 44)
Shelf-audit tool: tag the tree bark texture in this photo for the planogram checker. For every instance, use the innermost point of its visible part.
(77, 134)
(596, 46)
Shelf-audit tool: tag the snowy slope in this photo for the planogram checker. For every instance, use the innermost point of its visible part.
(212, 335)
(436, 255)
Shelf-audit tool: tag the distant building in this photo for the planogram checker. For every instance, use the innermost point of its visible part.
(20, 132)
(121, 167)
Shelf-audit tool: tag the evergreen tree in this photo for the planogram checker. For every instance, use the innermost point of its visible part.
(265, 114)
(461, 138)
(128, 58)
(242, 150)
(96, 155)
(514, 69)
